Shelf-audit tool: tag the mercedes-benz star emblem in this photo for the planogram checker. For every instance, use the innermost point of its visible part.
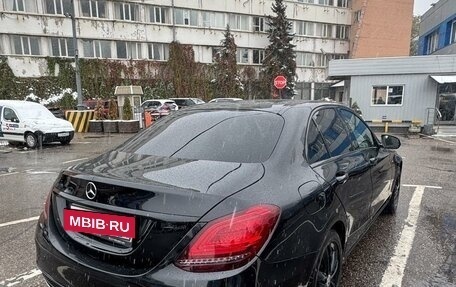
(91, 190)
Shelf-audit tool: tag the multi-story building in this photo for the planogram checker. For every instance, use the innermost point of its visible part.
(381, 28)
(31, 30)
(438, 29)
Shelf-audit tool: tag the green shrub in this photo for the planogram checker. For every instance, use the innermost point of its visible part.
(113, 110)
(127, 110)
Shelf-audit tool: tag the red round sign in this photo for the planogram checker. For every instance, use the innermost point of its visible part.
(280, 82)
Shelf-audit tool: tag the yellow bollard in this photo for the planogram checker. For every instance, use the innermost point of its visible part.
(386, 127)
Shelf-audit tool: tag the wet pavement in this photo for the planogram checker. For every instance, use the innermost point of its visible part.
(27, 175)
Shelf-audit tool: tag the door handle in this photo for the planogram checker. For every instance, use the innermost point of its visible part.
(342, 176)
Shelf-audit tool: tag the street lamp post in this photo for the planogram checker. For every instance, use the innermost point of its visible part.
(76, 61)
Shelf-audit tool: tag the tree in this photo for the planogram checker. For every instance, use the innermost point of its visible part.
(280, 58)
(127, 113)
(227, 83)
(415, 35)
(182, 68)
(113, 110)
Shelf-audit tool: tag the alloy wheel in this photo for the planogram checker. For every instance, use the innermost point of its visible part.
(328, 271)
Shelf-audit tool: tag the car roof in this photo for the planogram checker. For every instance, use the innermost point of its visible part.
(274, 106)
(20, 104)
(159, 100)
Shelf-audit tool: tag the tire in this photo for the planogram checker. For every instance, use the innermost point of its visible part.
(329, 263)
(391, 207)
(31, 140)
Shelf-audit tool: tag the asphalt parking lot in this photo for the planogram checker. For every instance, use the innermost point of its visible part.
(417, 247)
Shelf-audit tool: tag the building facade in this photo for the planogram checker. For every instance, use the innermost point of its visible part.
(438, 29)
(401, 90)
(381, 28)
(32, 30)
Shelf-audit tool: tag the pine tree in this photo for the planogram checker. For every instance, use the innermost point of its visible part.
(227, 82)
(280, 58)
(127, 110)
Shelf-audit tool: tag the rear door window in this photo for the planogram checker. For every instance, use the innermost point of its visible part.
(316, 149)
(334, 134)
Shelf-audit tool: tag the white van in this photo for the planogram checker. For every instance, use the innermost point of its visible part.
(32, 124)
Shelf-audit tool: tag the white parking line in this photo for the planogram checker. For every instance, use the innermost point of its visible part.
(20, 278)
(75, 160)
(19, 221)
(395, 271)
(426, 186)
(11, 173)
(41, 172)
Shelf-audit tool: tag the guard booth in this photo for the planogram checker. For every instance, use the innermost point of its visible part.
(134, 93)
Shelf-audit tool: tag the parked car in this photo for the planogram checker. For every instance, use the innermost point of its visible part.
(252, 194)
(57, 112)
(32, 123)
(187, 102)
(224, 100)
(159, 105)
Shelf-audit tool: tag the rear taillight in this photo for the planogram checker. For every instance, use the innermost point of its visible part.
(231, 241)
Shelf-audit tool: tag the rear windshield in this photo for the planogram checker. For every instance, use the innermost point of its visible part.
(231, 136)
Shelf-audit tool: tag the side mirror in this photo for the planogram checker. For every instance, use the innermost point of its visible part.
(391, 142)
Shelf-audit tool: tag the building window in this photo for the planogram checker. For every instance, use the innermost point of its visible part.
(260, 24)
(342, 32)
(213, 20)
(305, 28)
(242, 56)
(304, 59)
(58, 7)
(387, 95)
(128, 50)
(62, 47)
(239, 22)
(321, 60)
(96, 49)
(186, 17)
(158, 51)
(307, 1)
(126, 11)
(21, 6)
(159, 14)
(358, 16)
(93, 8)
(258, 56)
(453, 32)
(432, 42)
(24, 45)
(324, 30)
(342, 3)
(325, 2)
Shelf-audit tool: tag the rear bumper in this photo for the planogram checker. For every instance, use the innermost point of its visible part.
(59, 270)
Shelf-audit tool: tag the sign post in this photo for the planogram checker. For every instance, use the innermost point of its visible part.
(280, 82)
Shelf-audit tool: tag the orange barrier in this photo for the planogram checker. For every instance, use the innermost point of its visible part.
(148, 119)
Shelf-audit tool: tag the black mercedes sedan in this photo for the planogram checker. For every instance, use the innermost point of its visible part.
(230, 194)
